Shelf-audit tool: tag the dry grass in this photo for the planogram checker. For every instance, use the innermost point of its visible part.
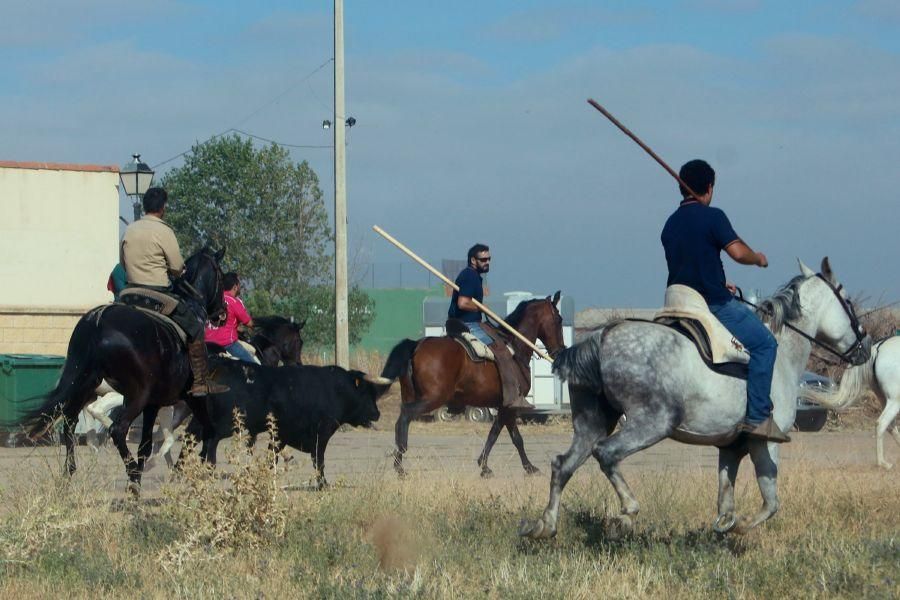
(446, 536)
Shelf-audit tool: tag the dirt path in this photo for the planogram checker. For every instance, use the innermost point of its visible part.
(437, 449)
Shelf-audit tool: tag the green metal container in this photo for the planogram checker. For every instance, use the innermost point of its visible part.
(25, 379)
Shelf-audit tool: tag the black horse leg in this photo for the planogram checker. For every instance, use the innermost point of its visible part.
(146, 445)
(69, 439)
(211, 445)
(509, 419)
(70, 419)
(192, 436)
(119, 433)
(401, 436)
(202, 424)
(493, 434)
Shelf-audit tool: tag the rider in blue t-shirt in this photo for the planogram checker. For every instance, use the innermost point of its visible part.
(693, 237)
(471, 287)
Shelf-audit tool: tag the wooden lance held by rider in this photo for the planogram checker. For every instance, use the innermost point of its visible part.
(478, 304)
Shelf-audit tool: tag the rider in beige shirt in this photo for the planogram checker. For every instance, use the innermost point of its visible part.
(150, 255)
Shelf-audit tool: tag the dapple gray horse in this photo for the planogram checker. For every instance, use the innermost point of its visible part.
(656, 378)
(879, 375)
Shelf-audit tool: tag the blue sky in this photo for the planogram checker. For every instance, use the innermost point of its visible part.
(472, 123)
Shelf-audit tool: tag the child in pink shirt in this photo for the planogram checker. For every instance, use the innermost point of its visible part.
(226, 335)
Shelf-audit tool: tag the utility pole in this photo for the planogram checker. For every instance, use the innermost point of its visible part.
(341, 329)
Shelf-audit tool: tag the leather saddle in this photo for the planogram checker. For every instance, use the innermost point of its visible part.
(686, 312)
(156, 305)
(476, 350)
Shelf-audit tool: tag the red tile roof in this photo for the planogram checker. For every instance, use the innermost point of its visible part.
(11, 164)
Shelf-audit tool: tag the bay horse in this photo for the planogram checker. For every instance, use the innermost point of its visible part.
(140, 357)
(657, 379)
(436, 372)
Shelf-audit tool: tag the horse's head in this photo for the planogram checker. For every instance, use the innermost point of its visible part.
(290, 344)
(204, 273)
(283, 335)
(543, 319)
(838, 327)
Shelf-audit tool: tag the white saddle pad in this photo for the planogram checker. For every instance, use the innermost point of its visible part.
(479, 347)
(683, 301)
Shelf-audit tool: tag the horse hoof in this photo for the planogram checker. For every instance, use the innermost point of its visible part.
(537, 530)
(886, 466)
(133, 489)
(486, 473)
(725, 523)
(532, 470)
(742, 526)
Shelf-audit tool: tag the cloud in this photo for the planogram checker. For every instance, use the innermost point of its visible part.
(52, 24)
(541, 25)
(803, 134)
(725, 6)
(880, 10)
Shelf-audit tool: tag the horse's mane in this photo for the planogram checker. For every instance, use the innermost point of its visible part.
(783, 305)
(515, 317)
(191, 263)
(271, 322)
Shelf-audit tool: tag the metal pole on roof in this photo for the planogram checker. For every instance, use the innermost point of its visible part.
(341, 325)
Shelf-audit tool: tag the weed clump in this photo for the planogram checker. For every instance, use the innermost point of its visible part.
(213, 517)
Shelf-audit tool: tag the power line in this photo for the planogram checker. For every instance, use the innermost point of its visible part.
(254, 113)
(284, 93)
(259, 137)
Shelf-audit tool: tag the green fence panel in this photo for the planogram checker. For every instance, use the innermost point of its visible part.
(398, 315)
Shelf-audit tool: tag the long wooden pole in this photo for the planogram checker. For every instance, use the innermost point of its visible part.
(341, 310)
(441, 276)
(646, 148)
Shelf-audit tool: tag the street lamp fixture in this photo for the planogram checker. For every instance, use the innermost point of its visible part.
(136, 178)
(350, 122)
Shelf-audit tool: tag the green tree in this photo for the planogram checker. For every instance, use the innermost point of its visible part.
(269, 214)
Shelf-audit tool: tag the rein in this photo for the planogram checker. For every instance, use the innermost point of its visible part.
(848, 309)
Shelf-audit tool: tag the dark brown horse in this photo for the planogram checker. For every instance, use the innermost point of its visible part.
(436, 372)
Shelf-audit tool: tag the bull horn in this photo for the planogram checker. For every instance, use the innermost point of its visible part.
(378, 380)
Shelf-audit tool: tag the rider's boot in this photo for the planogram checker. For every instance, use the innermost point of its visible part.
(767, 430)
(509, 377)
(202, 386)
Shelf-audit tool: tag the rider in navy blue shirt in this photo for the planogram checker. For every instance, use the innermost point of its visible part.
(693, 238)
(471, 288)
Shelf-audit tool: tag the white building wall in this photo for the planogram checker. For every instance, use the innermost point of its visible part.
(59, 239)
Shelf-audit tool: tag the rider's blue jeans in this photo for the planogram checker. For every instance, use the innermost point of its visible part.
(760, 343)
(479, 333)
(239, 352)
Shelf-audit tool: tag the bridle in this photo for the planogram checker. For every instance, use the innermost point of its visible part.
(855, 350)
(555, 352)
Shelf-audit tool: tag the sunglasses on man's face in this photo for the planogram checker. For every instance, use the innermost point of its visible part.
(486, 259)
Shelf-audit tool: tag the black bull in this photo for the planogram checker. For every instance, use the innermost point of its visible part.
(309, 404)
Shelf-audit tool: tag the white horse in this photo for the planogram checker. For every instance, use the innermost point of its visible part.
(655, 377)
(108, 400)
(879, 375)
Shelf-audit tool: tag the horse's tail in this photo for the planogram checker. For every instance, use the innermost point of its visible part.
(579, 364)
(79, 373)
(398, 360)
(855, 382)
